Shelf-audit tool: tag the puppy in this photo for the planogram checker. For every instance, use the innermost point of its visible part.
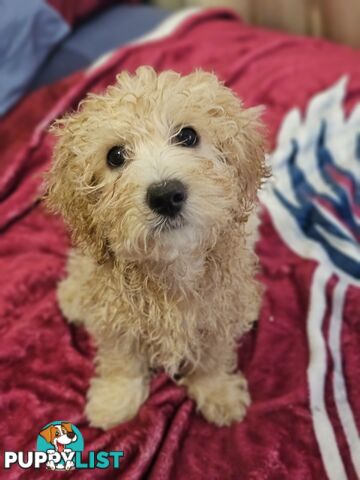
(59, 436)
(157, 180)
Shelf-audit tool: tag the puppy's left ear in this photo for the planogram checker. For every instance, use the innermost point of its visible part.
(242, 144)
(67, 426)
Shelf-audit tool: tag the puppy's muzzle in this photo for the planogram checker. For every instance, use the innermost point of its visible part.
(167, 198)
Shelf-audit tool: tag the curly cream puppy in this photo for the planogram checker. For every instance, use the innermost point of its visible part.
(157, 180)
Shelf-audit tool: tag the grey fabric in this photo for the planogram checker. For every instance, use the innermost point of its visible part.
(29, 29)
(106, 31)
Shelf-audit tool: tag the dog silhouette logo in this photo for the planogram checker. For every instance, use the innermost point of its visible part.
(60, 447)
(60, 440)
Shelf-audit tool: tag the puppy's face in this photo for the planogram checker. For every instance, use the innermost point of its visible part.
(59, 435)
(157, 166)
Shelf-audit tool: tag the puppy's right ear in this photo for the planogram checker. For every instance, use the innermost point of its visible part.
(69, 182)
(47, 433)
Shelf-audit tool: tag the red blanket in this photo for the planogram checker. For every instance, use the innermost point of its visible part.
(46, 363)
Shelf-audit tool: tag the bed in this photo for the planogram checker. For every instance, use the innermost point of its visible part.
(302, 359)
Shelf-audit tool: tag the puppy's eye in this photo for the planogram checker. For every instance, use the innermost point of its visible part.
(57, 434)
(116, 156)
(187, 137)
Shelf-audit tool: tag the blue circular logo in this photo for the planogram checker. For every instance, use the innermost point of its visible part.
(60, 440)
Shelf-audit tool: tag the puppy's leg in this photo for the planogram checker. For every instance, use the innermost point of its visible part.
(72, 290)
(119, 389)
(221, 396)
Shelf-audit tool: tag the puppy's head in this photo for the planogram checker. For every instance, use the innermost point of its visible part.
(59, 435)
(156, 166)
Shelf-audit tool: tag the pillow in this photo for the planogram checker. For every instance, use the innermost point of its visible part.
(74, 11)
(29, 31)
(98, 35)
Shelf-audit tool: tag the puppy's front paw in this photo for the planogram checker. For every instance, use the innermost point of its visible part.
(68, 297)
(222, 399)
(114, 400)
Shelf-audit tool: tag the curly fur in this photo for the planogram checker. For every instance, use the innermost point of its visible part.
(152, 296)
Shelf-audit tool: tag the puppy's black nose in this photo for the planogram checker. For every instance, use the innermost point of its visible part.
(166, 198)
(71, 434)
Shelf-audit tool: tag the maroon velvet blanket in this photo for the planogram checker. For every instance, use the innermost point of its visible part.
(302, 359)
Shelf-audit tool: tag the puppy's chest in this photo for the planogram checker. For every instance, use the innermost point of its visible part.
(173, 335)
(170, 320)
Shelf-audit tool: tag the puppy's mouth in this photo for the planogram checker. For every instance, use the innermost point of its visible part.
(60, 447)
(167, 224)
